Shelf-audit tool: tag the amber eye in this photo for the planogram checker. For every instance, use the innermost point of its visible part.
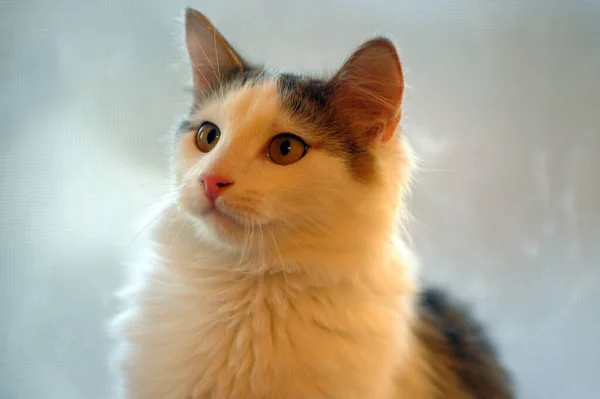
(208, 136)
(285, 149)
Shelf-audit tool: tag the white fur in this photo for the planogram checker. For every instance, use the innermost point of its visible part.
(312, 299)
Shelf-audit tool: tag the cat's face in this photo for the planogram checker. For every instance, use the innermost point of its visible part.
(278, 154)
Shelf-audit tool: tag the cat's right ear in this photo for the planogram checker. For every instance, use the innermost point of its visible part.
(211, 56)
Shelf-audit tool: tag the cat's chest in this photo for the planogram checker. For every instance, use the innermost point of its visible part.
(219, 336)
(214, 336)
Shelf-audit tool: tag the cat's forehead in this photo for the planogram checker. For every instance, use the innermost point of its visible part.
(250, 109)
(257, 104)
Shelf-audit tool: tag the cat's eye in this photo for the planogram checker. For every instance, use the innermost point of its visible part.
(286, 149)
(207, 136)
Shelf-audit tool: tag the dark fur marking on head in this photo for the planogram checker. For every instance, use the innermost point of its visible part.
(236, 78)
(249, 75)
(309, 101)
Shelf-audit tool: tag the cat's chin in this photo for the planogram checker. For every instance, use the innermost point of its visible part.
(216, 217)
(223, 226)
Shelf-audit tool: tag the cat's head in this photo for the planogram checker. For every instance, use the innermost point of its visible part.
(288, 156)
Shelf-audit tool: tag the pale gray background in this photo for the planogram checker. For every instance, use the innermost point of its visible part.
(504, 108)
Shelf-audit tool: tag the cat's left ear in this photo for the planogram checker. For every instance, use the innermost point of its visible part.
(212, 58)
(368, 90)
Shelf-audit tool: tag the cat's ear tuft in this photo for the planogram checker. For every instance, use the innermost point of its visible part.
(369, 89)
(211, 56)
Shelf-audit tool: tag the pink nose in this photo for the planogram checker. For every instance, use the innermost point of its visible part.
(214, 185)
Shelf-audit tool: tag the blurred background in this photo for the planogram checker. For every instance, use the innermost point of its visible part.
(503, 107)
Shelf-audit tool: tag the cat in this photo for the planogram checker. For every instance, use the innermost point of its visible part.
(277, 271)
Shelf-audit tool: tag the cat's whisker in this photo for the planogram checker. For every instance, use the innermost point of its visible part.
(183, 225)
(449, 170)
(243, 249)
(205, 55)
(144, 228)
(162, 198)
(216, 52)
(251, 240)
(277, 251)
(260, 247)
(161, 184)
(312, 221)
(283, 229)
(245, 243)
(202, 74)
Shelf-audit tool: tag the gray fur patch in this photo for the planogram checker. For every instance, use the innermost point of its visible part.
(310, 102)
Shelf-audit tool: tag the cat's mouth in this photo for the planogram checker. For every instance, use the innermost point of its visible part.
(214, 212)
(226, 214)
